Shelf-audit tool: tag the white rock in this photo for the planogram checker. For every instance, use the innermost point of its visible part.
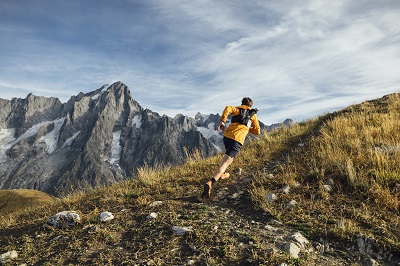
(271, 228)
(181, 230)
(327, 188)
(270, 197)
(330, 182)
(239, 171)
(371, 262)
(299, 239)
(63, 219)
(291, 204)
(235, 195)
(286, 189)
(156, 203)
(292, 249)
(8, 256)
(152, 215)
(106, 216)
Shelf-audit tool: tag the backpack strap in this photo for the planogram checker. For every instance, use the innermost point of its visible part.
(244, 116)
(238, 118)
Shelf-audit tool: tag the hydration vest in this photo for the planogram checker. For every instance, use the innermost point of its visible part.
(244, 117)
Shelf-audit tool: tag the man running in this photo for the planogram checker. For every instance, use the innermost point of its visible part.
(234, 137)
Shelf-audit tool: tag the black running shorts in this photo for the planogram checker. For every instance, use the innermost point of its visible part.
(232, 147)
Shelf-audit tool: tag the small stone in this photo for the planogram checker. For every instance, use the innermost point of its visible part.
(235, 195)
(152, 215)
(63, 219)
(299, 239)
(156, 203)
(181, 230)
(239, 171)
(8, 256)
(286, 189)
(370, 262)
(90, 228)
(273, 221)
(271, 228)
(270, 197)
(292, 249)
(106, 216)
(327, 188)
(190, 262)
(330, 182)
(291, 204)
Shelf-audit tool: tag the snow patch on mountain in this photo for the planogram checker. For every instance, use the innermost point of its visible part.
(7, 140)
(116, 147)
(6, 137)
(69, 140)
(209, 131)
(104, 89)
(51, 138)
(137, 120)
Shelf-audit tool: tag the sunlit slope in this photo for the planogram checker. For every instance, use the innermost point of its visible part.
(344, 174)
(19, 199)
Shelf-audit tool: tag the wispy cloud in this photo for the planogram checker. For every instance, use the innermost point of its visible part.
(295, 59)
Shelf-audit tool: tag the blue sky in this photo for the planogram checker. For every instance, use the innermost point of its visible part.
(295, 59)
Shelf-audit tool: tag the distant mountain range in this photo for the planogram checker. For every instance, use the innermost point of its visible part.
(96, 138)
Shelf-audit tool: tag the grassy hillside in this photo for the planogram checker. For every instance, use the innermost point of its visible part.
(358, 151)
(20, 199)
(354, 151)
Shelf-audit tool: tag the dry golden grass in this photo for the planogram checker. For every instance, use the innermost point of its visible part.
(359, 149)
(20, 199)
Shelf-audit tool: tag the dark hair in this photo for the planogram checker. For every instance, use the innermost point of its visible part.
(247, 101)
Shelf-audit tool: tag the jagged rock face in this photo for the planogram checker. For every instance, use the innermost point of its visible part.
(94, 139)
(22, 114)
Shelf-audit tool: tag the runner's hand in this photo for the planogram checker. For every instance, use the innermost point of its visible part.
(221, 126)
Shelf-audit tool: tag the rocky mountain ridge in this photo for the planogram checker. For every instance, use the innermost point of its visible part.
(94, 139)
